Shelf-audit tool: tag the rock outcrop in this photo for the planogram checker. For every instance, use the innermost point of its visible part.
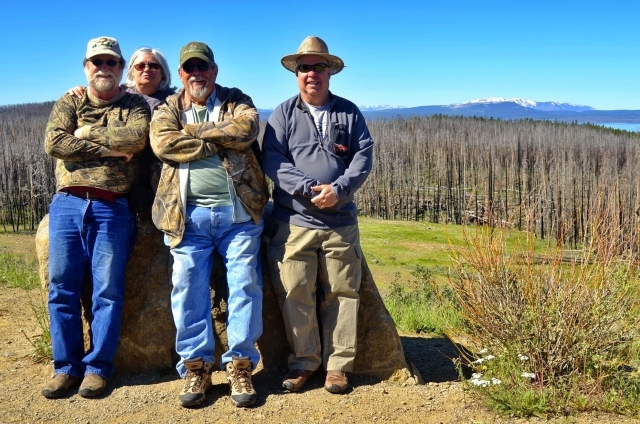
(148, 333)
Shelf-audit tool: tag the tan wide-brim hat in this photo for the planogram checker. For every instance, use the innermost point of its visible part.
(315, 46)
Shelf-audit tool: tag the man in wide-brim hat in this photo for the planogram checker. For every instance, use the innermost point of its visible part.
(318, 152)
(316, 47)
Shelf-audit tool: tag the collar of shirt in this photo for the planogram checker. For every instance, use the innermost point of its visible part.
(213, 108)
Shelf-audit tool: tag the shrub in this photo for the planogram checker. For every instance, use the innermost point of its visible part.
(549, 334)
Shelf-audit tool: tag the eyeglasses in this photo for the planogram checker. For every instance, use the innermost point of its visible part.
(190, 67)
(99, 62)
(318, 67)
(140, 66)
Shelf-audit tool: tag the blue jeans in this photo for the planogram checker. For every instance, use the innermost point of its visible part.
(87, 236)
(208, 230)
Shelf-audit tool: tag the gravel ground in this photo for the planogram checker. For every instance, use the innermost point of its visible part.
(153, 397)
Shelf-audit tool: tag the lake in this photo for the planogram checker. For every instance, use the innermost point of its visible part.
(622, 126)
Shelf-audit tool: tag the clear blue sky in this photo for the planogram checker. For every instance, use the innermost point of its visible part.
(399, 52)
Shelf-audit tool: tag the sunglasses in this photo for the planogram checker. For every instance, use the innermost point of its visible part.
(190, 67)
(99, 62)
(318, 67)
(140, 66)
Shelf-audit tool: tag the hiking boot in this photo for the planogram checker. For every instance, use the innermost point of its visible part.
(295, 379)
(336, 381)
(60, 385)
(92, 385)
(239, 377)
(196, 382)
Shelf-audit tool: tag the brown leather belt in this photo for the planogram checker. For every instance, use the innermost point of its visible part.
(86, 195)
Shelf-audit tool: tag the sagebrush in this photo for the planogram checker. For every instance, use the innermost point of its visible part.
(552, 329)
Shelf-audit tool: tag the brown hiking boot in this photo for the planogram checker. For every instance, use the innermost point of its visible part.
(295, 379)
(92, 385)
(196, 382)
(60, 385)
(336, 381)
(239, 377)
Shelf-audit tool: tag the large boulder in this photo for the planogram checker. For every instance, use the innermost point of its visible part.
(148, 333)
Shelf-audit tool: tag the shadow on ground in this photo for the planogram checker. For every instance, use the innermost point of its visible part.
(433, 357)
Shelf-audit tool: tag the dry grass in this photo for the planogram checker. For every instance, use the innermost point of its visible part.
(571, 325)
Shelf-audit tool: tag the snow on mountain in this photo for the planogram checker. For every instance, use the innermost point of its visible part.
(491, 100)
(551, 106)
(379, 107)
(544, 106)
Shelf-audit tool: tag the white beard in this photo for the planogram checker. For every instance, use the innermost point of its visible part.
(102, 81)
(199, 93)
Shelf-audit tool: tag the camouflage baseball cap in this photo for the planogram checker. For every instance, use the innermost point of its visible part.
(196, 49)
(103, 45)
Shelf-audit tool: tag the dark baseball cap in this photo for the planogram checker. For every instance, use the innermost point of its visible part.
(196, 49)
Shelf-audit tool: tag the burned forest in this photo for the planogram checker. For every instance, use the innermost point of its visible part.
(546, 177)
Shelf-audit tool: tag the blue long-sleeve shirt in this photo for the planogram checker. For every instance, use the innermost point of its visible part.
(296, 158)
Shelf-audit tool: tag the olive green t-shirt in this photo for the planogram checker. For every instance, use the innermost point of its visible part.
(207, 185)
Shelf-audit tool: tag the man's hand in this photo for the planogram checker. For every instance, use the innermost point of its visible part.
(114, 153)
(325, 197)
(77, 91)
(78, 133)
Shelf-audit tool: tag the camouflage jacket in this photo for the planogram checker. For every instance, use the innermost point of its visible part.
(233, 138)
(120, 124)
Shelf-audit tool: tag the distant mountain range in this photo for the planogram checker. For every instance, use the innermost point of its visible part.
(544, 106)
(497, 107)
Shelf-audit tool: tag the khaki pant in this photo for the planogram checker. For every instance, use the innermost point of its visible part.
(316, 275)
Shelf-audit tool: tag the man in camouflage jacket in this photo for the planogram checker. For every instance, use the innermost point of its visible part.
(96, 140)
(210, 198)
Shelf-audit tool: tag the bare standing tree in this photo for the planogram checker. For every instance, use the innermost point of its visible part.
(437, 168)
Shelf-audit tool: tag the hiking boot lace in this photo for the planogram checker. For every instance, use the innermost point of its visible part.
(194, 381)
(241, 379)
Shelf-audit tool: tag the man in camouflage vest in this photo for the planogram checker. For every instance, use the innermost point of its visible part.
(210, 198)
(96, 140)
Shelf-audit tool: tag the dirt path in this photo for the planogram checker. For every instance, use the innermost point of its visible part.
(154, 397)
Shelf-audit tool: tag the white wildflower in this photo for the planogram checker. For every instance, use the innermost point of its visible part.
(496, 381)
(483, 351)
(523, 357)
(481, 383)
(478, 361)
(476, 375)
(489, 357)
(530, 375)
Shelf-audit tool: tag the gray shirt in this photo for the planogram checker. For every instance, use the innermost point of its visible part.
(154, 100)
(296, 158)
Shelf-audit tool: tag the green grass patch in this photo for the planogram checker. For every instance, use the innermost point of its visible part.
(411, 263)
(416, 305)
(394, 248)
(16, 272)
(22, 244)
(41, 342)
